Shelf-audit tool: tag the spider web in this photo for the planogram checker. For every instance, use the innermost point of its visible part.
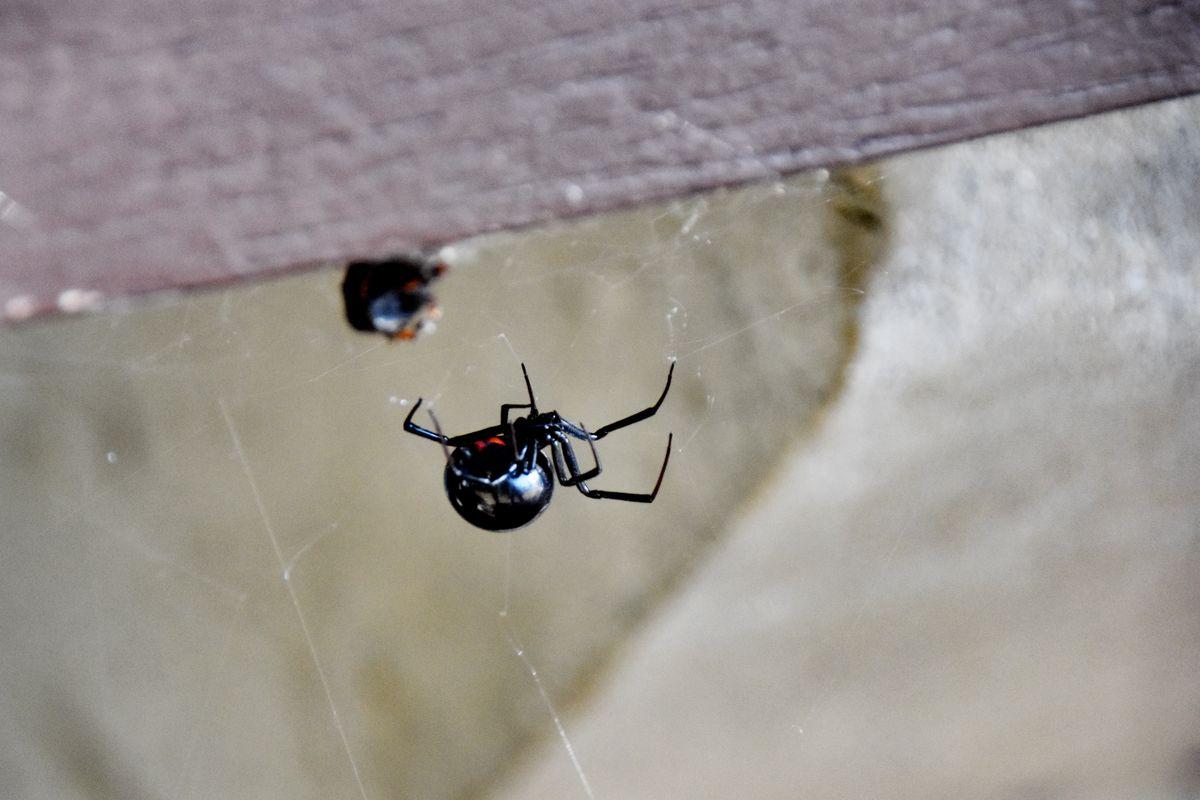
(229, 573)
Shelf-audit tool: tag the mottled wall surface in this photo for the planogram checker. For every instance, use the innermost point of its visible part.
(152, 144)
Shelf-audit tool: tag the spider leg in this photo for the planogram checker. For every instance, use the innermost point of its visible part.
(529, 455)
(557, 463)
(574, 430)
(531, 405)
(645, 413)
(512, 435)
(632, 497)
(452, 441)
(506, 407)
(425, 433)
(572, 463)
(529, 388)
(441, 436)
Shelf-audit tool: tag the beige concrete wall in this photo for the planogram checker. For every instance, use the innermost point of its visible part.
(980, 575)
(227, 572)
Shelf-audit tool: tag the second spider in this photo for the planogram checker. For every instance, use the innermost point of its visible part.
(498, 478)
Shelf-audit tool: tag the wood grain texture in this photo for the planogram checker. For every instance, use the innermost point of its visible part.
(149, 145)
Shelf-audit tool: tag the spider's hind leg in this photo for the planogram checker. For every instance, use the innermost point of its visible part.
(631, 497)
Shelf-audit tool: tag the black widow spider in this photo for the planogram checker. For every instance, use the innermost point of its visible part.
(498, 478)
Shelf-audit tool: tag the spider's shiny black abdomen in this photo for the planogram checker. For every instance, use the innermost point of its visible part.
(490, 491)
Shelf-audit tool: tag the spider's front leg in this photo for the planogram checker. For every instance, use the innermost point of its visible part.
(645, 413)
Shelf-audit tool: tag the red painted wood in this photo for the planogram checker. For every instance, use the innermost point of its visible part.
(154, 144)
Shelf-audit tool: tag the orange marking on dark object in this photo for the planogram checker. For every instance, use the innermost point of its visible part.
(392, 296)
(482, 444)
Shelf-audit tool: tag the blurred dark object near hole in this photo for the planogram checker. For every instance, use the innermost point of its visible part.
(392, 296)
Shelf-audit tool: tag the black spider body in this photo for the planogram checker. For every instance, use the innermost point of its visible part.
(500, 478)
(491, 490)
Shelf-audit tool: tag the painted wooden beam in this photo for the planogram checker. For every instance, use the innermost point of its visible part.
(148, 144)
